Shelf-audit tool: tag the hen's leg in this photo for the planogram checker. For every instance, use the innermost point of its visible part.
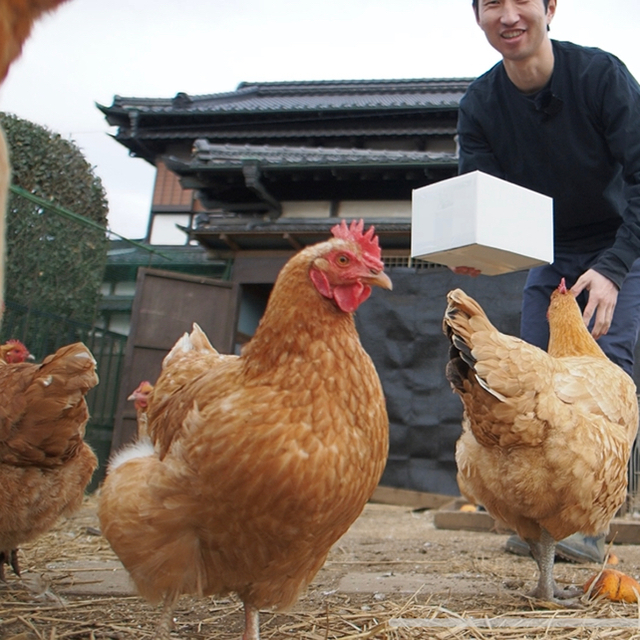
(251, 623)
(544, 552)
(11, 558)
(13, 561)
(163, 631)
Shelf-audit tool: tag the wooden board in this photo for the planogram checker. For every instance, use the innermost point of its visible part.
(621, 532)
(409, 498)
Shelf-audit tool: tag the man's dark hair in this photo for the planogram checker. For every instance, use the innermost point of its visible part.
(477, 10)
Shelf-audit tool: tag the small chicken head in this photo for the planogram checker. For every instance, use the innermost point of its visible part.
(13, 351)
(140, 395)
(351, 265)
(568, 334)
(559, 296)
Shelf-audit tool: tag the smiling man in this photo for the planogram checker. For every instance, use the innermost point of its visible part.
(564, 120)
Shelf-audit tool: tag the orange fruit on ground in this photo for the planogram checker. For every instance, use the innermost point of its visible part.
(614, 585)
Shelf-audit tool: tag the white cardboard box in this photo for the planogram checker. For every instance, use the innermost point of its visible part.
(478, 220)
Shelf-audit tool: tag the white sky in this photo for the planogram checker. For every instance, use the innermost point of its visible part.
(89, 51)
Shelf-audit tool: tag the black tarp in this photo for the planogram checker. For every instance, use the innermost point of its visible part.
(402, 332)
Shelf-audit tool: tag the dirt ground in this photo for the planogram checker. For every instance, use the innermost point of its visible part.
(393, 575)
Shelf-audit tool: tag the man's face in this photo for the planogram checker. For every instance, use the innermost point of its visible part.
(515, 28)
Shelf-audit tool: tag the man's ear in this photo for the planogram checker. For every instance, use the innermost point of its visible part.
(551, 11)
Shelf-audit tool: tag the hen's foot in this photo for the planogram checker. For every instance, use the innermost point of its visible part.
(556, 595)
(568, 593)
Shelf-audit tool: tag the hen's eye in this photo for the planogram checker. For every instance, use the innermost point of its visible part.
(343, 260)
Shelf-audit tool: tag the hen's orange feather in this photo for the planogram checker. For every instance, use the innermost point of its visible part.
(16, 21)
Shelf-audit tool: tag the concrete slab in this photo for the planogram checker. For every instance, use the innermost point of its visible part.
(90, 578)
(390, 583)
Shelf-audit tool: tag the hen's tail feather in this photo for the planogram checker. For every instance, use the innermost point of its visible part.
(75, 366)
(51, 424)
(462, 350)
(462, 318)
(196, 341)
(456, 372)
(200, 341)
(464, 315)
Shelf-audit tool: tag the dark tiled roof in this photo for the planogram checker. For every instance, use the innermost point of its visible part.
(322, 113)
(302, 96)
(290, 130)
(321, 226)
(225, 156)
(226, 234)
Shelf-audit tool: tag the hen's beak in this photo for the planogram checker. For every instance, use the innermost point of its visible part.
(379, 279)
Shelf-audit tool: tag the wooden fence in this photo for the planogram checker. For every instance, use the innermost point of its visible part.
(43, 333)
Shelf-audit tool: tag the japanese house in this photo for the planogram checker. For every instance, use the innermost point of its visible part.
(246, 178)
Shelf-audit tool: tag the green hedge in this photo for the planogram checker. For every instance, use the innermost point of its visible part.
(53, 263)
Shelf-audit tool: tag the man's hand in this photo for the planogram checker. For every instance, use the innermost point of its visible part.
(603, 295)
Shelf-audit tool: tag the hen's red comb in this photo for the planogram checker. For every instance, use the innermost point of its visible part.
(15, 342)
(368, 241)
(562, 287)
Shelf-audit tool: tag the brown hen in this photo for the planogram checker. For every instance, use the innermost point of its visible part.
(263, 460)
(45, 465)
(546, 436)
